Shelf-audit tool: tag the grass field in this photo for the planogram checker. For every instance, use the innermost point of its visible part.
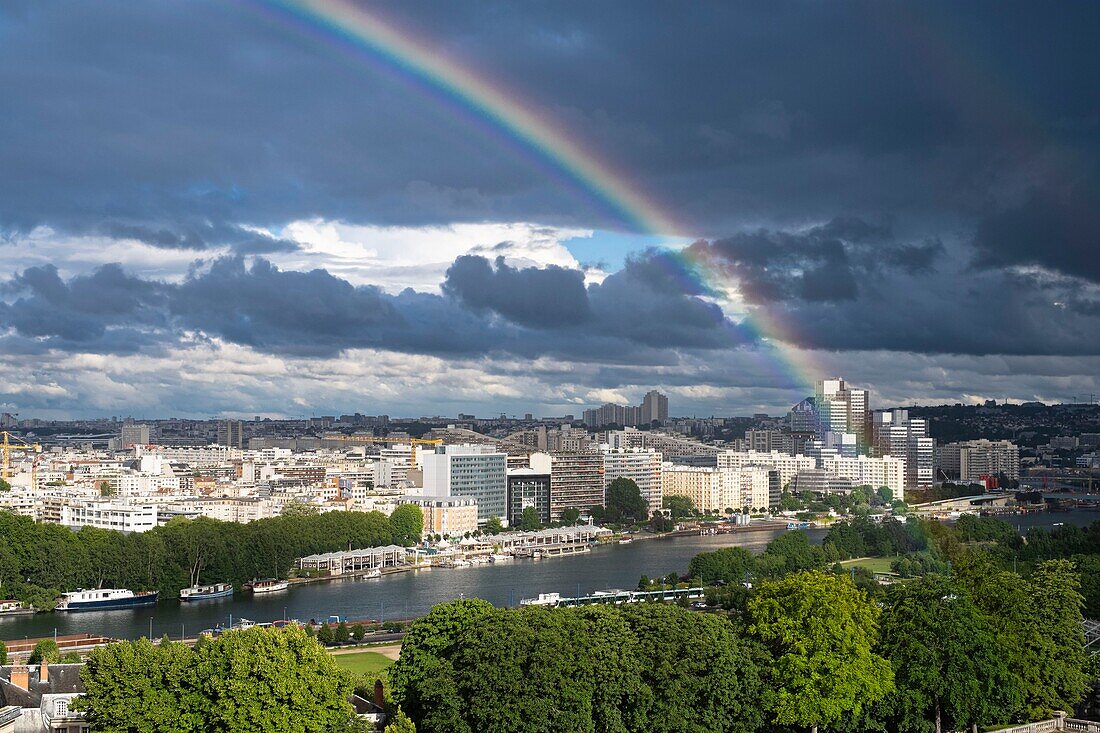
(874, 564)
(366, 663)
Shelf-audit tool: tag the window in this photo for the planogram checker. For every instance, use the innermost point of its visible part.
(62, 709)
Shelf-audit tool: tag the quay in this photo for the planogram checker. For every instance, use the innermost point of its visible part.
(613, 597)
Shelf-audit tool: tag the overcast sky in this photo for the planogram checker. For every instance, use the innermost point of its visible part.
(209, 208)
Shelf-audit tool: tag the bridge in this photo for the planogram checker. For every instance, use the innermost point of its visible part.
(1092, 635)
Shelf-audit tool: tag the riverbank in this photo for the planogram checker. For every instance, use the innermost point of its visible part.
(409, 594)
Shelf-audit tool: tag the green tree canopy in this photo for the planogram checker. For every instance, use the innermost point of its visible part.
(493, 526)
(949, 668)
(271, 680)
(469, 667)
(137, 686)
(400, 723)
(821, 631)
(790, 552)
(678, 507)
(407, 522)
(623, 502)
(729, 564)
(45, 650)
(529, 519)
(570, 515)
(241, 682)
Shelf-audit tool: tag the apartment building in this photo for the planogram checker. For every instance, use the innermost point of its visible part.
(576, 480)
(643, 467)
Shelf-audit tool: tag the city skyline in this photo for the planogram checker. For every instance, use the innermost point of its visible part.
(256, 210)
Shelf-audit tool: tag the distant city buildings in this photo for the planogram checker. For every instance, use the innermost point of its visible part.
(969, 461)
(654, 409)
(231, 433)
(131, 435)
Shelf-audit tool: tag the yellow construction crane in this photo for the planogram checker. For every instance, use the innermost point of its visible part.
(411, 442)
(8, 446)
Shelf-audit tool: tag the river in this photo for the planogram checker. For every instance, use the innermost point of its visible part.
(407, 594)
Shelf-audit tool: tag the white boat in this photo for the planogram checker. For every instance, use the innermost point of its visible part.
(499, 557)
(267, 585)
(105, 599)
(543, 599)
(372, 573)
(626, 540)
(206, 592)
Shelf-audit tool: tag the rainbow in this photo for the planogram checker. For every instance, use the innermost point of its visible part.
(357, 30)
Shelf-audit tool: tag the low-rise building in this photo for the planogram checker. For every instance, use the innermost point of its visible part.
(448, 516)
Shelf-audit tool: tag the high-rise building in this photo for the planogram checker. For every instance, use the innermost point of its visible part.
(803, 417)
(528, 488)
(131, 435)
(897, 434)
(576, 480)
(476, 471)
(843, 409)
(231, 433)
(654, 408)
(643, 467)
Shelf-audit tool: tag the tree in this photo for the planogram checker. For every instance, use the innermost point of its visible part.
(624, 502)
(570, 515)
(45, 650)
(730, 564)
(300, 509)
(422, 678)
(105, 489)
(790, 553)
(678, 507)
(358, 632)
(947, 663)
(821, 631)
(4, 485)
(138, 686)
(493, 526)
(529, 519)
(1056, 591)
(885, 495)
(400, 723)
(271, 680)
(341, 634)
(3, 653)
(325, 635)
(407, 522)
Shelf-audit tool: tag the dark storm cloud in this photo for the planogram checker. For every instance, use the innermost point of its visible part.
(161, 115)
(1058, 231)
(822, 264)
(485, 309)
(200, 236)
(540, 298)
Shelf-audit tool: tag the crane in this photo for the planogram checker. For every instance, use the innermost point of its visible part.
(411, 442)
(8, 446)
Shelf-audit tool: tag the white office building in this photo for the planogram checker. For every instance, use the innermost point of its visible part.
(110, 515)
(896, 434)
(475, 471)
(886, 471)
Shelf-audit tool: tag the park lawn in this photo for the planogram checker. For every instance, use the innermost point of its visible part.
(364, 663)
(874, 564)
